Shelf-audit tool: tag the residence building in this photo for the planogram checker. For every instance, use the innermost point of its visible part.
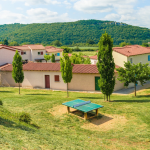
(56, 51)
(7, 53)
(48, 75)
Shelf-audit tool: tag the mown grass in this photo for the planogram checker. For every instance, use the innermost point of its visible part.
(65, 131)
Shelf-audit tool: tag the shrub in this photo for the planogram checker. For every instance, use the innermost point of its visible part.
(25, 117)
(1, 103)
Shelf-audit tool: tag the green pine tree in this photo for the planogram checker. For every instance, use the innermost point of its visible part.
(17, 72)
(66, 70)
(106, 65)
(53, 58)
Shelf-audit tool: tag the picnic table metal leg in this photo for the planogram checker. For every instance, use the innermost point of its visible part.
(68, 109)
(96, 112)
(85, 116)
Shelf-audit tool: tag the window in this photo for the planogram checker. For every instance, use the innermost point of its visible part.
(56, 78)
(58, 54)
(131, 61)
(23, 53)
(148, 57)
(40, 53)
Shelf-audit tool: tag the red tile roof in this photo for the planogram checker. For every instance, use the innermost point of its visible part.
(93, 57)
(51, 49)
(25, 47)
(77, 68)
(9, 47)
(131, 50)
(36, 47)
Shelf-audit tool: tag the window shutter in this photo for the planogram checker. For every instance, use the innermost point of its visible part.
(41, 53)
(58, 54)
(148, 57)
(21, 53)
(56, 77)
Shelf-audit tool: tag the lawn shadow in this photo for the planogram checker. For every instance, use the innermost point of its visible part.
(101, 120)
(38, 94)
(91, 97)
(132, 101)
(11, 124)
(6, 92)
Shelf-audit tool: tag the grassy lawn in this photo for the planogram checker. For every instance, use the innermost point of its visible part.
(87, 53)
(127, 126)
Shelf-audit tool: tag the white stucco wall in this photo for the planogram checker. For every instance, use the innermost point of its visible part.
(56, 57)
(93, 61)
(35, 55)
(140, 58)
(36, 79)
(6, 56)
(27, 56)
(119, 59)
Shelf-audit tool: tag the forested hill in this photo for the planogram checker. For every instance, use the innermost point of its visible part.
(77, 32)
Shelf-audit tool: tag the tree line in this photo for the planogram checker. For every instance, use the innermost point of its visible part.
(70, 33)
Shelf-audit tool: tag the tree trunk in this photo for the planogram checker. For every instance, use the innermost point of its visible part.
(19, 88)
(104, 97)
(67, 91)
(109, 98)
(135, 89)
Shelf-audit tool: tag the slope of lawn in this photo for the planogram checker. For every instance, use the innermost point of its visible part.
(65, 131)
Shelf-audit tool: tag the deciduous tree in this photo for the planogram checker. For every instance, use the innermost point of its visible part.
(132, 73)
(47, 57)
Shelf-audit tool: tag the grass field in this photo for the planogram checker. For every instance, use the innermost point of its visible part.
(87, 53)
(126, 123)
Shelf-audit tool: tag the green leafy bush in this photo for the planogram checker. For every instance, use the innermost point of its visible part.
(1, 103)
(25, 117)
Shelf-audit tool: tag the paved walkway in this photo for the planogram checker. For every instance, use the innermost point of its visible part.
(131, 90)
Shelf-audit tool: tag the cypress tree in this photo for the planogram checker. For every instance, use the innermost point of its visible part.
(106, 65)
(66, 70)
(17, 72)
(53, 58)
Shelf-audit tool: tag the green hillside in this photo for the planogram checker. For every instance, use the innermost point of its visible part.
(77, 32)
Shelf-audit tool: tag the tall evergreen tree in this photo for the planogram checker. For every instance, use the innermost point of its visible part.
(5, 42)
(17, 72)
(53, 58)
(66, 70)
(106, 65)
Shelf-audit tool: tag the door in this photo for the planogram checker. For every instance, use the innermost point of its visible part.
(97, 88)
(47, 81)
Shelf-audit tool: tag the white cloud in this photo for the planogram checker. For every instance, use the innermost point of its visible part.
(112, 17)
(33, 2)
(68, 5)
(94, 6)
(10, 17)
(43, 15)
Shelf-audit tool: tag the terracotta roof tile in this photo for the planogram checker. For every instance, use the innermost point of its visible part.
(131, 50)
(51, 49)
(22, 47)
(9, 47)
(77, 68)
(36, 47)
(93, 57)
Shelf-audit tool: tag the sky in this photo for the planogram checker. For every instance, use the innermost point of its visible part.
(133, 12)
